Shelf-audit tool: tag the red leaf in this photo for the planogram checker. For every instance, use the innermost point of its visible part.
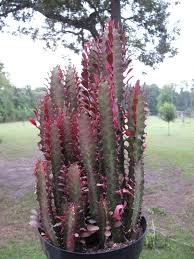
(130, 133)
(84, 56)
(119, 210)
(60, 74)
(61, 218)
(35, 112)
(127, 192)
(110, 58)
(32, 120)
(108, 68)
(84, 75)
(137, 87)
(85, 93)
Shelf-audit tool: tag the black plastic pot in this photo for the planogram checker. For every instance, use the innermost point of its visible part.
(129, 252)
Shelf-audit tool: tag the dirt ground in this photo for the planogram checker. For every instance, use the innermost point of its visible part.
(165, 188)
(171, 191)
(17, 176)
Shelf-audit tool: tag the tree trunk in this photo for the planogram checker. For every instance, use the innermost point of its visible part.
(168, 128)
(116, 10)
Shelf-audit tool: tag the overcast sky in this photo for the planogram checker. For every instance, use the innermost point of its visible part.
(28, 63)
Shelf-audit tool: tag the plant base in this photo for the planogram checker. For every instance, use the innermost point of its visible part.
(131, 251)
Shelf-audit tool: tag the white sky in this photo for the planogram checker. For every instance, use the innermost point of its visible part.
(28, 63)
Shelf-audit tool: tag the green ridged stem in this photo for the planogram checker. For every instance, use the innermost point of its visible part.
(56, 162)
(102, 218)
(67, 141)
(130, 150)
(138, 196)
(74, 185)
(109, 154)
(42, 196)
(93, 61)
(57, 87)
(138, 153)
(70, 227)
(136, 125)
(88, 154)
(108, 145)
(118, 80)
(71, 85)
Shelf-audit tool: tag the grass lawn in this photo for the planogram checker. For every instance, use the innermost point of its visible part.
(176, 149)
(18, 241)
(17, 139)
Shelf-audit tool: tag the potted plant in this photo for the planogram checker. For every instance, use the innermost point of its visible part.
(89, 184)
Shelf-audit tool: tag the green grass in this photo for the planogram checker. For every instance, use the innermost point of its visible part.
(20, 139)
(173, 252)
(18, 239)
(17, 139)
(178, 246)
(176, 150)
(23, 250)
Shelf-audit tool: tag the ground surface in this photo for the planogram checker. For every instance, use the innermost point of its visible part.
(17, 175)
(168, 200)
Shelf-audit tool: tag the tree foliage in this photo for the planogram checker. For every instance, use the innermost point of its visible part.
(181, 97)
(166, 95)
(184, 100)
(16, 103)
(167, 113)
(146, 23)
(151, 95)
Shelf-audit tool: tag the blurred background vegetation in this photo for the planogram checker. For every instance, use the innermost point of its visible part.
(17, 104)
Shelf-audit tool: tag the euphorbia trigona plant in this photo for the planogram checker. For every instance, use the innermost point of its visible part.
(90, 182)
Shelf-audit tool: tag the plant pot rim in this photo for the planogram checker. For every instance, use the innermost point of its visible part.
(143, 224)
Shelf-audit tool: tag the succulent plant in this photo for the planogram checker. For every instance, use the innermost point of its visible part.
(89, 184)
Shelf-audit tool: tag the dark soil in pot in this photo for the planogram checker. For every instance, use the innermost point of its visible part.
(131, 251)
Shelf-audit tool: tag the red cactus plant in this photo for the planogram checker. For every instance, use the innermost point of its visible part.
(89, 184)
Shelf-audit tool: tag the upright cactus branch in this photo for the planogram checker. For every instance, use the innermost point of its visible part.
(56, 162)
(108, 145)
(88, 153)
(110, 159)
(136, 125)
(71, 88)
(42, 194)
(67, 140)
(74, 184)
(57, 87)
(90, 185)
(70, 227)
(138, 196)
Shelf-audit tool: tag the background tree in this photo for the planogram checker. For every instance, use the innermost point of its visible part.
(183, 100)
(146, 23)
(192, 97)
(6, 97)
(168, 113)
(16, 104)
(151, 95)
(167, 95)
